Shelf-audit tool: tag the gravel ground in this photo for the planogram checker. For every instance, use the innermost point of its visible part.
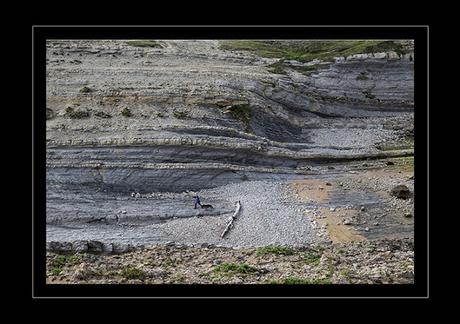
(266, 218)
(351, 139)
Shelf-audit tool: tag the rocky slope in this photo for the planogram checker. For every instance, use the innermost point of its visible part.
(378, 262)
(174, 118)
(190, 101)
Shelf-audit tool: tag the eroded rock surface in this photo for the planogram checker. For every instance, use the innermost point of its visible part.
(186, 117)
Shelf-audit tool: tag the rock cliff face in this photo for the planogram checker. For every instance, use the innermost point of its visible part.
(114, 105)
(358, 86)
(173, 116)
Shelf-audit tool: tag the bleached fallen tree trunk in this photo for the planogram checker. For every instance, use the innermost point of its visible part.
(230, 221)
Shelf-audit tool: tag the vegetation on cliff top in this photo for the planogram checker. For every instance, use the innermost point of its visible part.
(305, 51)
(144, 43)
(280, 68)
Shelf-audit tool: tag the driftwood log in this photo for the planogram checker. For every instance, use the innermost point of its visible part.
(230, 221)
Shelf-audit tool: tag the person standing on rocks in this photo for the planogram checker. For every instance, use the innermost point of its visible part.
(197, 201)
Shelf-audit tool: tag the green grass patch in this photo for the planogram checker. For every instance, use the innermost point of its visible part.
(305, 51)
(277, 250)
(281, 67)
(345, 273)
(62, 260)
(76, 114)
(58, 263)
(405, 164)
(85, 90)
(404, 145)
(144, 43)
(385, 46)
(300, 281)
(132, 273)
(125, 112)
(234, 268)
(312, 257)
(169, 263)
(242, 113)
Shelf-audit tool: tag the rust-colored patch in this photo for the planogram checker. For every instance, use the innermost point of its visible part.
(315, 190)
(338, 232)
(311, 190)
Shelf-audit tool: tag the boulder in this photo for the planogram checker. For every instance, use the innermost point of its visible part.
(80, 246)
(121, 248)
(95, 247)
(59, 247)
(400, 192)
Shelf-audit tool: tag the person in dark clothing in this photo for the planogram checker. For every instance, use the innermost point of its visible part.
(197, 202)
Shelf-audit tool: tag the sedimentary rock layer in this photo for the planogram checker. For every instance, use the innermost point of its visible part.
(186, 116)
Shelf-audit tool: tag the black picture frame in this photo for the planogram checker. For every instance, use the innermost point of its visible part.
(420, 289)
